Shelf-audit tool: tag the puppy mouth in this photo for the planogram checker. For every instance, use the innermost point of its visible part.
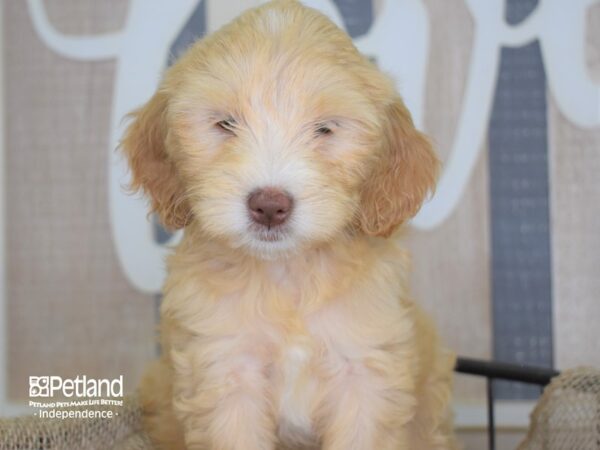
(269, 234)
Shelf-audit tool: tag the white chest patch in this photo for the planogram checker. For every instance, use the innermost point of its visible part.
(297, 395)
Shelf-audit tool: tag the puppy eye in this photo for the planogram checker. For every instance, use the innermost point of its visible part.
(323, 130)
(227, 125)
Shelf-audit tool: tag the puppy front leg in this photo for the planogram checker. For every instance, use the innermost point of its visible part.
(361, 413)
(223, 404)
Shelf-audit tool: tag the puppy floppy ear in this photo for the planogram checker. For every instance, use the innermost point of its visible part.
(153, 171)
(402, 177)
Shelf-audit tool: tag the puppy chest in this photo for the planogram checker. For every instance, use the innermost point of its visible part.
(297, 390)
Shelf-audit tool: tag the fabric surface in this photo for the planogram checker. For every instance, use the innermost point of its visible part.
(123, 432)
(568, 414)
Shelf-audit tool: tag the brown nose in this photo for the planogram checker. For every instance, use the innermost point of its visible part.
(269, 206)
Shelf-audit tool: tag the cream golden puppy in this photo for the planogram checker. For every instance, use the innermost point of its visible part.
(288, 158)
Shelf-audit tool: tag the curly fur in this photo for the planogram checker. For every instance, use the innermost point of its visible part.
(303, 337)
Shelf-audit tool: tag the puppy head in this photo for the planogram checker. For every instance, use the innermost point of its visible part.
(274, 134)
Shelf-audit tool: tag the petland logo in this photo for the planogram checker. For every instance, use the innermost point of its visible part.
(81, 386)
(87, 404)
